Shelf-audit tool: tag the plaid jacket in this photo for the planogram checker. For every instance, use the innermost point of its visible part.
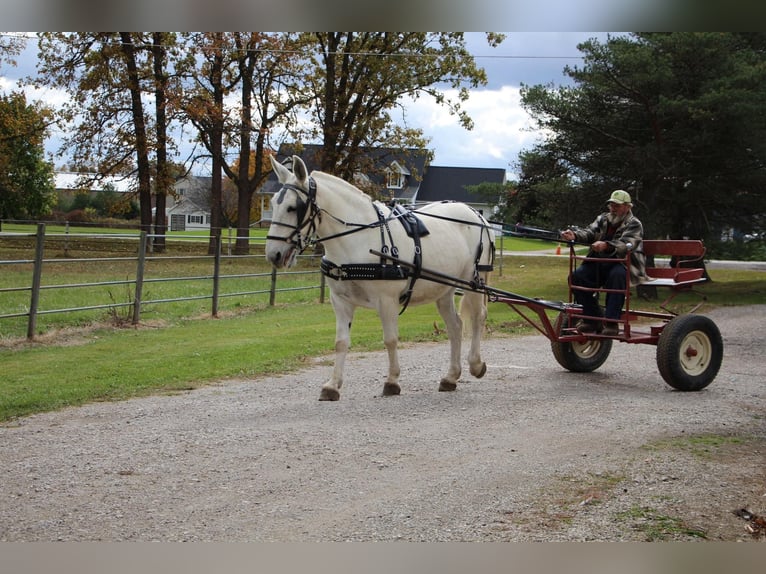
(628, 236)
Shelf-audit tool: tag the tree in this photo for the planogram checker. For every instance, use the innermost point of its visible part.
(26, 179)
(132, 80)
(10, 47)
(204, 106)
(544, 191)
(107, 75)
(262, 70)
(674, 116)
(359, 78)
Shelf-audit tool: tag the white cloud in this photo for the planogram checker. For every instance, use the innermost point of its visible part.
(501, 129)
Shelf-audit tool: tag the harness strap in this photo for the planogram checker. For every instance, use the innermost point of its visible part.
(404, 300)
(382, 270)
(356, 271)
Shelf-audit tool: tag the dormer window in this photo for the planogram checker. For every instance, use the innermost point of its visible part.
(396, 176)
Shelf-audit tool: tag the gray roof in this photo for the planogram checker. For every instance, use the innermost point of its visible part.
(413, 161)
(197, 191)
(425, 183)
(449, 183)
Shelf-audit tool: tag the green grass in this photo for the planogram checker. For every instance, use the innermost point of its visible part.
(94, 356)
(52, 228)
(110, 364)
(658, 527)
(702, 446)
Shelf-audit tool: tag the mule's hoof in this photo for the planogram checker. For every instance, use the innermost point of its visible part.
(446, 386)
(480, 372)
(329, 394)
(391, 389)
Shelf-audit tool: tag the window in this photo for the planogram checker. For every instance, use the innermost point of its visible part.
(195, 219)
(397, 175)
(395, 179)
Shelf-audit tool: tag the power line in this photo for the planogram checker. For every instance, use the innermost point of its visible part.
(20, 36)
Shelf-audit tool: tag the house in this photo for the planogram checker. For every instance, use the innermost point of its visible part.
(384, 173)
(451, 183)
(191, 209)
(400, 175)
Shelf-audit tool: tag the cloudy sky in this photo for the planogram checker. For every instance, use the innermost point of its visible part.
(501, 127)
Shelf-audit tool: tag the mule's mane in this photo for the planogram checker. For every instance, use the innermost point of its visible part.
(340, 182)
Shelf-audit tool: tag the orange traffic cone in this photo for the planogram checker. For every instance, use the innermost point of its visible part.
(558, 249)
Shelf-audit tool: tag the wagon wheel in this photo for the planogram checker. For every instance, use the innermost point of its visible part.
(689, 352)
(581, 357)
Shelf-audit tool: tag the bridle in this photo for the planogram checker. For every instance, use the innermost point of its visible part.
(309, 205)
(300, 240)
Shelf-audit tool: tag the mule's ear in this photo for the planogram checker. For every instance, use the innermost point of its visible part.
(282, 172)
(299, 169)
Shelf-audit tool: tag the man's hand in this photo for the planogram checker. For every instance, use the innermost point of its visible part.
(568, 235)
(600, 246)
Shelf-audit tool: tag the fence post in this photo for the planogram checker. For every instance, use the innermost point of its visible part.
(502, 251)
(37, 275)
(139, 278)
(216, 273)
(322, 285)
(273, 290)
(66, 239)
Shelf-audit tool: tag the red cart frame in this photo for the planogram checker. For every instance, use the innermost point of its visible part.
(689, 345)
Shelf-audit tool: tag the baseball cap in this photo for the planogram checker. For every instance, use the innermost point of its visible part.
(619, 196)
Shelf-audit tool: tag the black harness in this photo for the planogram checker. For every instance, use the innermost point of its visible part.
(383, 270)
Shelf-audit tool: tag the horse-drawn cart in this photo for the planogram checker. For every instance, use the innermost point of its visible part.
(385, 257)
(689, 346)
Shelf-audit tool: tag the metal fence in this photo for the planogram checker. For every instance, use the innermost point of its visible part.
(140, 280)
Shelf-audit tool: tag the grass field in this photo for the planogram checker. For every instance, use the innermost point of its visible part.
(77, 359)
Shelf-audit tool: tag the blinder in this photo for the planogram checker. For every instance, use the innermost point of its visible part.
(303, 206)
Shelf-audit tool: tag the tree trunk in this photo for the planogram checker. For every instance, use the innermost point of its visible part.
(163, 183)
(216, 150)
(142, 148)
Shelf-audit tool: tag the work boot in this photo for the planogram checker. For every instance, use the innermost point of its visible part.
(610, 330)
(585, 327)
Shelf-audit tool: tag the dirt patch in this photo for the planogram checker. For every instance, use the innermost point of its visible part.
(530, 452)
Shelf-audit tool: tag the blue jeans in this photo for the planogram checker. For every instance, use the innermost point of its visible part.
(594, 274)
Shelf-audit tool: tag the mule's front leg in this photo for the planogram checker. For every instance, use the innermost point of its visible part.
(446, 307)
(344, 315)
(389, 316)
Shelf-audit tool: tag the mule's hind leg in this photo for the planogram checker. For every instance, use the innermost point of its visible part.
(388, 310)
(344, 314)
(446, 307)
(473, 309)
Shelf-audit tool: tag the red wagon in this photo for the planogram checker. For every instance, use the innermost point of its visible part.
(689, 346)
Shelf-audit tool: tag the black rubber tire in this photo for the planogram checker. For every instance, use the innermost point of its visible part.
(583, 357)
(689, 352)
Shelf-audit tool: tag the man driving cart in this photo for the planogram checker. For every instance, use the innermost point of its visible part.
(611, 235)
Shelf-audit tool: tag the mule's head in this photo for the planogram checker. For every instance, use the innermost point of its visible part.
(293, 214)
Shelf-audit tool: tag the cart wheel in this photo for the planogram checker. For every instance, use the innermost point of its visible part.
(689, 352)
(581, 357)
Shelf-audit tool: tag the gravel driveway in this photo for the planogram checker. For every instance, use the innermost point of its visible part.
(530, 452)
